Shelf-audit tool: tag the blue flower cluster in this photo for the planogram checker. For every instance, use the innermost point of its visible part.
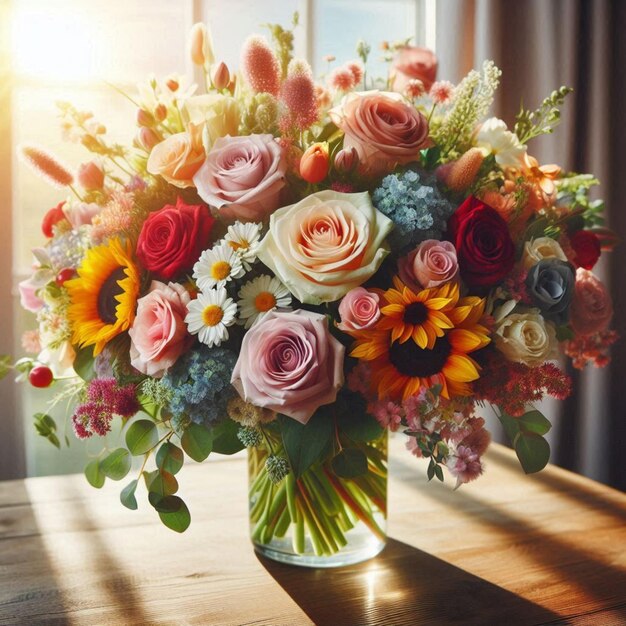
(200, 385)
(417, 208)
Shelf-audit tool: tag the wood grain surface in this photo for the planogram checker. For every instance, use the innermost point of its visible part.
(507, 549)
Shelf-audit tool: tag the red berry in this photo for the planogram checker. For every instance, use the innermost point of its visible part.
(41, 376)
(52, 217)
(65, 274)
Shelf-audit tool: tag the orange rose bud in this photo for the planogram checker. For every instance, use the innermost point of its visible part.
(145, 118)
(172, 84)
(90, 176)
(160, 113)
(147, 138)
(314, 163)
(220, 76)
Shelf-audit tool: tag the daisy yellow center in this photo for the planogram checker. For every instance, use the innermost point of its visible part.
(265, 301)
(212, 315)
(220, 270)
(242, 243)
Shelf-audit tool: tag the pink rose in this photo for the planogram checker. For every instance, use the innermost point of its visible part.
(414, 63)
(290, 363)
(81, 213)
(359, 310)
(431, 264)
(159, 335)
(591, 309)
(242, 177)
(382, 127)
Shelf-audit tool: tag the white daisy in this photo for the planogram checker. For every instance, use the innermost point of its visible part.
(217, 266)
(244, 239)
(261, 295)
(209, 315)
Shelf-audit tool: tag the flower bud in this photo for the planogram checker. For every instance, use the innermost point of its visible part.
(160, 113)
(90, 176)
(201, 45)
(346, 160)
(147, 138)
(220, 76)
(314, 163)
(145, 118)
(172, 84)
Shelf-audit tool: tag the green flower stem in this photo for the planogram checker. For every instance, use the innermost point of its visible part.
(282, 526)
(298, 540)
(329, 545)
(290, 483)
(316, 538)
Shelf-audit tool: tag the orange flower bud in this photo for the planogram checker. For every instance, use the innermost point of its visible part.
(144, 118)
(172, 84)
(90, 176)
(160, 113)
(314, 163)
(147, 138)
(220, 76)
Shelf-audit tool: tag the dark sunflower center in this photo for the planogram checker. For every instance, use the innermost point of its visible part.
(106, 298)
(415, 313)
(411, 360)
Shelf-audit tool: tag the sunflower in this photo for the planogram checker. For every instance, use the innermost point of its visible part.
(104, 295)
(414, 347)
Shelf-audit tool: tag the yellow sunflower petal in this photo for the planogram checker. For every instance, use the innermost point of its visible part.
(460, 368)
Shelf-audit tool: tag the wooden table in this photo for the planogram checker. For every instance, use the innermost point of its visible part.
(507, 549)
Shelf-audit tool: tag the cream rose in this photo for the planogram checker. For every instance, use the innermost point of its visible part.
(178, 157)
(541, 248)
(326, 244)
(217, 113)
(526, 338)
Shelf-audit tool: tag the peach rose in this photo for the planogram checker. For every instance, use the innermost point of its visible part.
(358, 310)
(158, 334)
(413, 63)
(431, 264)
(242, 177)
(326, 244)
(383, 128)
(591, 309)
(178, 157)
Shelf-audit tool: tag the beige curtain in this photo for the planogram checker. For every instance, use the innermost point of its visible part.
(541, 45)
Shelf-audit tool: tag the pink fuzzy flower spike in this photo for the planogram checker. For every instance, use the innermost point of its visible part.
(46, 165)
(299, 96)
(260, 66)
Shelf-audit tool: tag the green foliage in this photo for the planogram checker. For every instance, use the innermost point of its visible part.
(225, 439)
(525, 433)
(117, 464)
(174, 513)
(141, 436)
(170, 458)
(358, 426)
(46, 427)
(127, 495)
(350, 463)
(283, 42)
(83, 363)
(5, 365)
(306, 443)
(541, 121)
(197, 442)
(95, 476)
(162, 484)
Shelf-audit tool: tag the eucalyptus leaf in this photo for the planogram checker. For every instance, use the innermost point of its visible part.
(170, 458)
(141, 436)
(359, 427)
(93, 473)
(225, 440)
(127, 495)
(178, 520)
(197, 442)
(533, 452)
(535, 422)
(350, 463)
(117, 464)
(83, 363)
(163, 484)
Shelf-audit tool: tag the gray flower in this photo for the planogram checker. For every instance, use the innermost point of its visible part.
(550, 286)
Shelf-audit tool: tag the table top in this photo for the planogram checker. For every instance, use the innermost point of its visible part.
(508, 548)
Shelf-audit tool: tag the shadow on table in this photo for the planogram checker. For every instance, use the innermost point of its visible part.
(402, 585)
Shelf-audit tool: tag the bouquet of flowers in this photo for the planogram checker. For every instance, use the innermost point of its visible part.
(298, 266)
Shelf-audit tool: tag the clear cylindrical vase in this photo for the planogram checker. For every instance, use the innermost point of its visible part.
(320, 519)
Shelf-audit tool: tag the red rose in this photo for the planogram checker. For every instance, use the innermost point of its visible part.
(485, 250)
(173, 237)
(586, 246)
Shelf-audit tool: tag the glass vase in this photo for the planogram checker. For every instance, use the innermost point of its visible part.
(319, 519)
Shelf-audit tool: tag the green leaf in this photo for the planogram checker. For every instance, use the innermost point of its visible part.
(170, 458)
(197, 442)
(439, 472)
(141, 436)
(305, 443)
(5, 365)
(83, 363)
(535, 422)
(148, 477)
(359, 427)
(225, 440)
(510, 424)
(179, 519)
(350, 463)
(564, 333)
(127, 496)
(430, 157)
(533, 451)
(93, 473)
(431, 470)
(46, 427)
(117, 464)
(163, 484)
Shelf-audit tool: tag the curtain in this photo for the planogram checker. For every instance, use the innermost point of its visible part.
(540, 46)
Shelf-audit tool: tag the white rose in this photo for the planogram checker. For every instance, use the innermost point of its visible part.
(326, 244)
(219, 114)
(526, 338)
(493, 137)
(541, 248)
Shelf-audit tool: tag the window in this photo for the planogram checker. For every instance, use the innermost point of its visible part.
(70, 49)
